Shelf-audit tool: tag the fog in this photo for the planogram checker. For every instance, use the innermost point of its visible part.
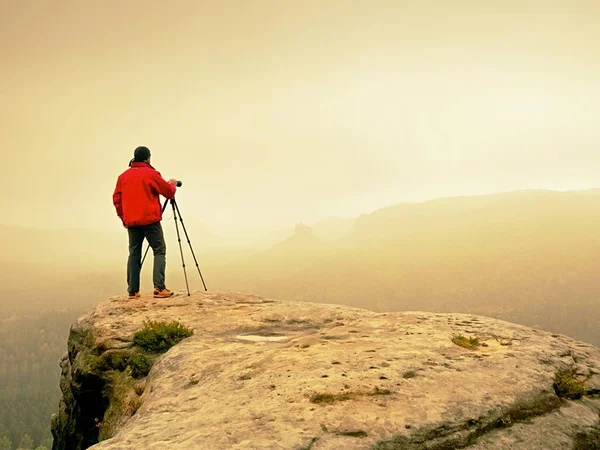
(435, 156)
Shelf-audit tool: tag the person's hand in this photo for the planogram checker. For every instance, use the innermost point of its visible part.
(173, 181)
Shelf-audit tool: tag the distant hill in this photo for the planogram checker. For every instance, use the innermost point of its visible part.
(328, 229)
(530, 216)
(302, 240)
(334, 228)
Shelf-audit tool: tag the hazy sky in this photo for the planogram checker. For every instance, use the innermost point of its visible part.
(277, 112)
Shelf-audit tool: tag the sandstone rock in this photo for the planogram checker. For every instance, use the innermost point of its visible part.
(266, 374)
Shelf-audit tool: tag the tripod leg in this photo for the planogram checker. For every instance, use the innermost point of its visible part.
(148, 248)
(180, 249)
(190, 244)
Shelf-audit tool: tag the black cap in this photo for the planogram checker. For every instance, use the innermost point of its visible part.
(141, 154)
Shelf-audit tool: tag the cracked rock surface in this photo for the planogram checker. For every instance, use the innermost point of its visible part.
(266, 374)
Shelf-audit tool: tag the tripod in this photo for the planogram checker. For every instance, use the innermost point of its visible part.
(175, 213)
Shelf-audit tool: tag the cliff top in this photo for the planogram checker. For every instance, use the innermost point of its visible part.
(268, 374)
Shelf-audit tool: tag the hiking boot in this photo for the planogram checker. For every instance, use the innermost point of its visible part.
(134, 295)
(162, 293)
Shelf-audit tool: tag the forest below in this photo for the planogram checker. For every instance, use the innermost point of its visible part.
(30, 346)
(525, 257)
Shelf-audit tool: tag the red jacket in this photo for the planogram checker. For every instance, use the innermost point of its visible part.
(136, 197)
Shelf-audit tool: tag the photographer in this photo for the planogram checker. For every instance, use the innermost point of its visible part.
(136, 199)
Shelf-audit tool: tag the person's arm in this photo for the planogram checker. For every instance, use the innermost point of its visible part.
(117, 199)
(165, 188)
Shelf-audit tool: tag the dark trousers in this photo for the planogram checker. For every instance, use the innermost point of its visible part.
(154, 234)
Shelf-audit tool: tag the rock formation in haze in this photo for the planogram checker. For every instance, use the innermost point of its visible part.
(268, 374)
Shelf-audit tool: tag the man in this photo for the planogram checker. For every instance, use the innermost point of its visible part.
(136, 199)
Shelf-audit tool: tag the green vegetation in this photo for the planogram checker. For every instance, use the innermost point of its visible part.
(567, 385)
(468, 343)
(312, 442)
(379, 391)
(299, 322)
(157, 336)
(588, 439)
(356, 434)
(5, 443)
(192, 382)
(121, 369)
(328, 398)
(112, 360)
(141, 364)
(124, 403)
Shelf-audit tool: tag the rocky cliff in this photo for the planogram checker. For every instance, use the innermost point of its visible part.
(265, 374)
